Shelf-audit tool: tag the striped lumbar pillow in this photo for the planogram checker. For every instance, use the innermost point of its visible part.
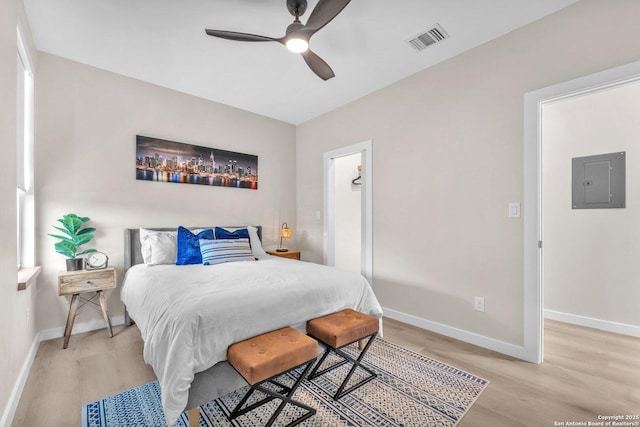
(225, 250)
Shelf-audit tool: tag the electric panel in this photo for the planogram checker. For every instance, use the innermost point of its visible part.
(598, 181)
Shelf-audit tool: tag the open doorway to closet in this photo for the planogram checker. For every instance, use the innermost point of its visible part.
(348, 229)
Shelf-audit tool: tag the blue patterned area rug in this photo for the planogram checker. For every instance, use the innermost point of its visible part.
(411, 390)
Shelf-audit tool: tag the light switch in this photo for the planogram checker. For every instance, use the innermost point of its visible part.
(514, 210)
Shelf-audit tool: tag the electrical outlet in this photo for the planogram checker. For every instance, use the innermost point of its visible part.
(478, 304)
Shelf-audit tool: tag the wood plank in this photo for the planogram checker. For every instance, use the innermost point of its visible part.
(27, 276)
(586, 373)
(194, 417)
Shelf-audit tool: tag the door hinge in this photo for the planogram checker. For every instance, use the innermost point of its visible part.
(539, 244)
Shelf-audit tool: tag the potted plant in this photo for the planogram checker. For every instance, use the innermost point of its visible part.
(74, 237)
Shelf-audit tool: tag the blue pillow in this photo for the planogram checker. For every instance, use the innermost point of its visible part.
(189, 246)
(240, 233)
(225, 250)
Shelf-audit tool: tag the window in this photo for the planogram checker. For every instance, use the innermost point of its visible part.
(24, 157)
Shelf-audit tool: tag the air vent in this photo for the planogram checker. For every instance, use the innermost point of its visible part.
(427, 38)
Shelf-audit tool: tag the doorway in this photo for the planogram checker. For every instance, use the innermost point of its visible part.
(348, 212)
(348, 226)
(533, 349)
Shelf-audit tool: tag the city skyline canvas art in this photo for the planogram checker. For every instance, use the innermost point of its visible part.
(169, 161)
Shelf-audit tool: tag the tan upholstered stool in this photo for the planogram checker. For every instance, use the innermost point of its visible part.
(263, 358)
(338, 330)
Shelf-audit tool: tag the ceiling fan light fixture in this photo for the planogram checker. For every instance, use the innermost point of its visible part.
(296, 37)
(297, 45)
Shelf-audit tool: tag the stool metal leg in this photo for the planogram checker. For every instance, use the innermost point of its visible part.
(316, 372)
(285, 394)
(358, 362)
(347, 358)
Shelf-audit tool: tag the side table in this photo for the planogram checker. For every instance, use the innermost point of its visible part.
(76, 283)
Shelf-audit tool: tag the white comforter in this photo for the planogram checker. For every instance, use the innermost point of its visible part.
(189, 315)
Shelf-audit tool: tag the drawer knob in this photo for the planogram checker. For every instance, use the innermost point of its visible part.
(88, 283)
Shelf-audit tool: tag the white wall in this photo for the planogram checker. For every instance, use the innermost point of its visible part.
(448, 158)
(591, 264)
(348, 214)
(88, 120)
(17, 328)
(8, 260)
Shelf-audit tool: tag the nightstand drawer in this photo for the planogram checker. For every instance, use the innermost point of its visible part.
(75, 282)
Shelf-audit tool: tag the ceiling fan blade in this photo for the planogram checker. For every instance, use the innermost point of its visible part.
(318, 65)
(324, 12)
(243, 37)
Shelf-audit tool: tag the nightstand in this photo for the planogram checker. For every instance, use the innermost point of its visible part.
(79, 282)
(289, 254)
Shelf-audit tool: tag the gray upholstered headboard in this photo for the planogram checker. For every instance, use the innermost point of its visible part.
(132, 246)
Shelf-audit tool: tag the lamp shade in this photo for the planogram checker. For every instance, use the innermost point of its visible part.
(285, 233)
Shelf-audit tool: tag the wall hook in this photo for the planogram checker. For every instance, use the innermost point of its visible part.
(356, 181)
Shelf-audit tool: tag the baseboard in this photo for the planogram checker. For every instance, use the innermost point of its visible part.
(605, 325)
(18, 387)
(16, 392)
(459, 334)
(79, 328)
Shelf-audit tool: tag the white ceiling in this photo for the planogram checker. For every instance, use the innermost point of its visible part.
(163, 42)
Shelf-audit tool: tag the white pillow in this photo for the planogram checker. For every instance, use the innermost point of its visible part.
(225, 250)
(256, 245)
(158, 247)
(163, 249)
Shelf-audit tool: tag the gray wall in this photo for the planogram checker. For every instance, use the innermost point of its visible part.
(87, 121)
(447, 160)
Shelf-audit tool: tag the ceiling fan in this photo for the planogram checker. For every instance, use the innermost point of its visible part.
(297, 35)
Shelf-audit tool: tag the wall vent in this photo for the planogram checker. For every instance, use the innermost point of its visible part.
(428, 37)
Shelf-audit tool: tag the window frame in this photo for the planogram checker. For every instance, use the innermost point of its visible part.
(25, 165)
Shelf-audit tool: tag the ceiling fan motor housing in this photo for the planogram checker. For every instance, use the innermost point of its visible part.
(297, 7)
(294, 27)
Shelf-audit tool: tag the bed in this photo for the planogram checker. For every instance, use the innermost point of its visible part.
(189, 314)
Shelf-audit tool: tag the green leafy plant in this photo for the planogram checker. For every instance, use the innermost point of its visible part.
(74, 236)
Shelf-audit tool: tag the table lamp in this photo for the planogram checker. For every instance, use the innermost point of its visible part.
(285, 233)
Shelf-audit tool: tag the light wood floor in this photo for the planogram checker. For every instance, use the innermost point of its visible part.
(586, 373)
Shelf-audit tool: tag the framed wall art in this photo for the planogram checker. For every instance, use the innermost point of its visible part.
(168, 161)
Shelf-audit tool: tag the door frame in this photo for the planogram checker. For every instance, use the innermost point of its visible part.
(364, 148)
(533, 350)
